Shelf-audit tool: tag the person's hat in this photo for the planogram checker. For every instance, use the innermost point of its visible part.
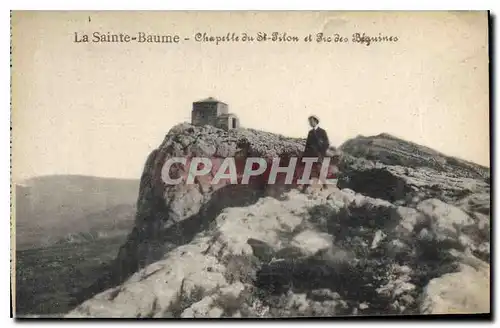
(314, 117)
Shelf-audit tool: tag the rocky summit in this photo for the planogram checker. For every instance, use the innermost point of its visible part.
(406, 230)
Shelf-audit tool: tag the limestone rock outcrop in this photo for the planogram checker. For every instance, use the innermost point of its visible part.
(397, 235)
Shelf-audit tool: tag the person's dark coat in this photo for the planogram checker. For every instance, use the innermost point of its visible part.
(317, 143)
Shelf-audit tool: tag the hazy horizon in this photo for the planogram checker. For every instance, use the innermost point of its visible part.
(20, 182)
(100, 109)
(23, 182)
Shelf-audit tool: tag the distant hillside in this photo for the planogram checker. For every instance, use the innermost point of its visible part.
(51, 207)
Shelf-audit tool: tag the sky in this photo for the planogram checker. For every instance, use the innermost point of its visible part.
(100, 108)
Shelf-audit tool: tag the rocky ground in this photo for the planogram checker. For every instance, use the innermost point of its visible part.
(400, 235)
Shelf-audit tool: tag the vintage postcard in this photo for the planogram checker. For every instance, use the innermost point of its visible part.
(250, 164)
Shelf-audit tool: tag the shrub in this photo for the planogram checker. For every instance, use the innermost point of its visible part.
(183, 301)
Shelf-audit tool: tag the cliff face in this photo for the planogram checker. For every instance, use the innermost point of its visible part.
(394, 237)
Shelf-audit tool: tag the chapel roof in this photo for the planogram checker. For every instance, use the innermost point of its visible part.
(209, 100)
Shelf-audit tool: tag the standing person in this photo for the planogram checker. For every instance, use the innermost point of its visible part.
(317, 144)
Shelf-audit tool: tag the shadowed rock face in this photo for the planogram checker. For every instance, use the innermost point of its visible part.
(382, 242)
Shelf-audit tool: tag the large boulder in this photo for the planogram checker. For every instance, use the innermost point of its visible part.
(446, 221)
(464, 292)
